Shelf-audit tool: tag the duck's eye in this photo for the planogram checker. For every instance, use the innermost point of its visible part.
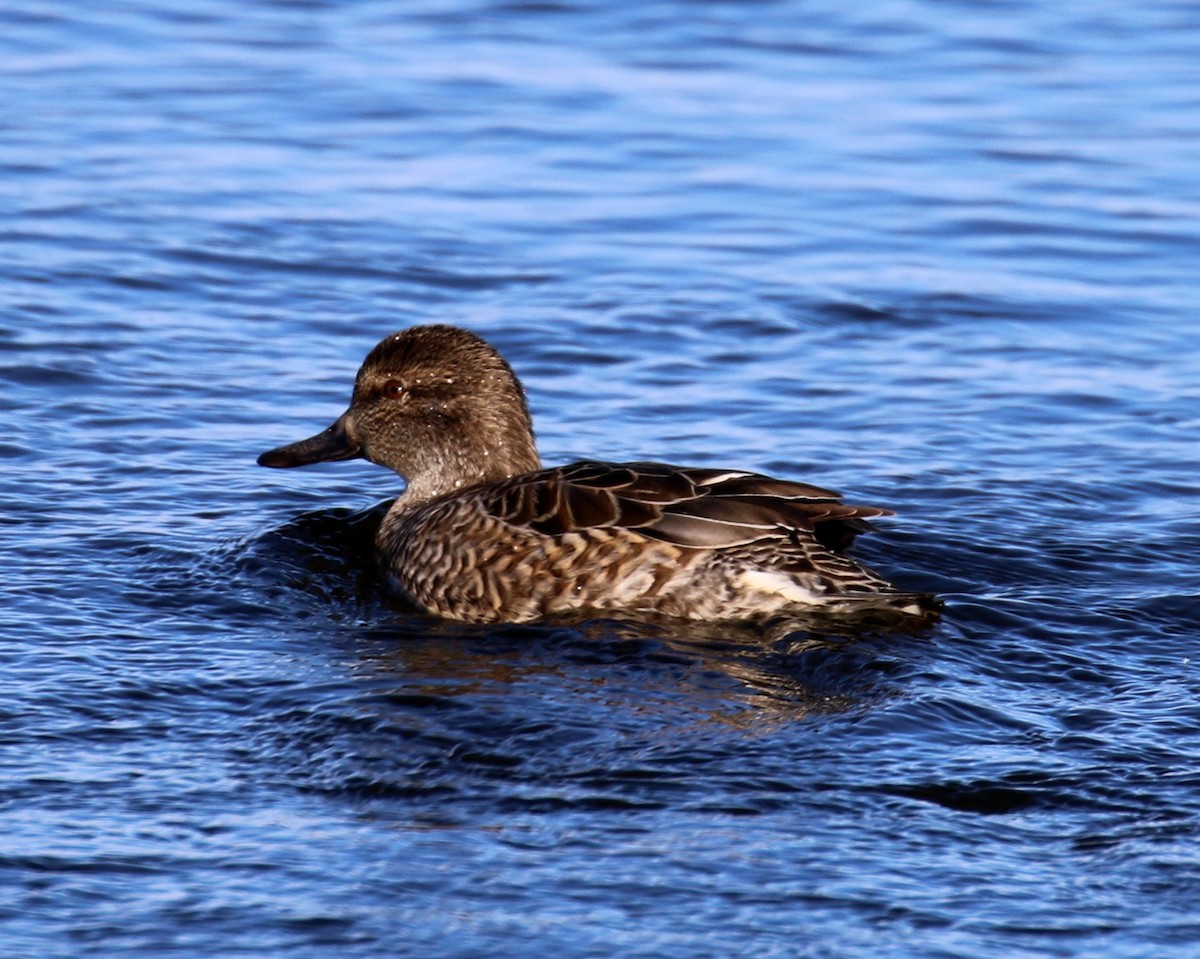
(394, 388)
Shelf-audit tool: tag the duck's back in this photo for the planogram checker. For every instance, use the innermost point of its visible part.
(639, 537)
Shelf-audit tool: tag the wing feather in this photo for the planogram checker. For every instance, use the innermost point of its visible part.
(694, 508)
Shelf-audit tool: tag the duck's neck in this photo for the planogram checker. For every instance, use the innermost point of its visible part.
(468, 465)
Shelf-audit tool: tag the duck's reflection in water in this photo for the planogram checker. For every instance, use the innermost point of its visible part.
(731, 671)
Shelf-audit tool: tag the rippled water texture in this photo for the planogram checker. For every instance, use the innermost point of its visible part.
(941, 256)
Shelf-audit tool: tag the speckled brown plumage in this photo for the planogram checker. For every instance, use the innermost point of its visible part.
(483, 534)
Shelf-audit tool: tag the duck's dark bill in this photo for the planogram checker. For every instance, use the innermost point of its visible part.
(333, 444)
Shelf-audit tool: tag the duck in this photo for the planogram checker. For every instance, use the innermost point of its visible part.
(484, 533)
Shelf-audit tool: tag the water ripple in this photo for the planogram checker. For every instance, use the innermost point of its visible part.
(940, 257)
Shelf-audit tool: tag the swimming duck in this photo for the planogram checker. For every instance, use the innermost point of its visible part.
(483, 533)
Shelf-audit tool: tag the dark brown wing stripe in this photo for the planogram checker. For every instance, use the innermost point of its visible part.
(697, 532)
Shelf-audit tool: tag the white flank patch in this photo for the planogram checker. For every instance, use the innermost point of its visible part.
(780, 584)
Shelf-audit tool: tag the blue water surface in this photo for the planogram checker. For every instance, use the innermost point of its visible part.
(941, 256)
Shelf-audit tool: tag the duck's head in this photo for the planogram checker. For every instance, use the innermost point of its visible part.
(434, 403)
